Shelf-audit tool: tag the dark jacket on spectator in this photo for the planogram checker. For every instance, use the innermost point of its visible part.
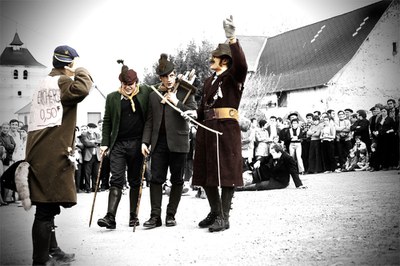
(280, 170)
(8, 143)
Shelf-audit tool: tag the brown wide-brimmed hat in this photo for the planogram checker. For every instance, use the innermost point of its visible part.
(164, 66)
(222, 49)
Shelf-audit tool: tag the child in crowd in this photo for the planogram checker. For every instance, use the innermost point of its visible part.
(248, 138)
(362, 163)
(373, 159)
(355, 156)
(276, 140)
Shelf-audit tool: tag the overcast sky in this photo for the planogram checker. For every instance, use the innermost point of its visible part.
(103, 31)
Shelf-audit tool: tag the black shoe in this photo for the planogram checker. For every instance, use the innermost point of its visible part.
(170, 220)
(133, 220)
(226, 224)
(50, 261)
(108, 221)
(61, 256)
(153, 222)
(218, 225)
(208, 221)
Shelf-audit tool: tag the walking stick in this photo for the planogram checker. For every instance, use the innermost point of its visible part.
(145, 160)
(97, 185)
(180, 111)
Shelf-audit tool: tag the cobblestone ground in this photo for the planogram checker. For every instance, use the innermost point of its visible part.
(341, 219)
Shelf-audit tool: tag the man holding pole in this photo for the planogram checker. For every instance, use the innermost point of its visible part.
(218, 159)
(167, 134)
(123, 123)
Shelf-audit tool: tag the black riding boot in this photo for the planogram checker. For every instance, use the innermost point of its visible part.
(215, 206)
(56, 252)
(226, 198)
(155, 201)
(41, 234)
(174, 199)
(114, 197)
(133, 202)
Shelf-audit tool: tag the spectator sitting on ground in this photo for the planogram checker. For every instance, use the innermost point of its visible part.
(351, 162)
(362, 163)
(354, 155)
(261, 140)
(275, 171)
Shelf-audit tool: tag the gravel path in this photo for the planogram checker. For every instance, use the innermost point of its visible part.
(341, 219)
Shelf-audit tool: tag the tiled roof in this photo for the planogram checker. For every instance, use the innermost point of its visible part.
(252, 46)
(310, 56)
(21, 57)
(18, 56)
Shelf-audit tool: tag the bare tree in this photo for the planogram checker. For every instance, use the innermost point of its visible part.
(257, 89)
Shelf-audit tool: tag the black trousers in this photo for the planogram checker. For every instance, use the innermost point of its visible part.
(126, 156)
(91, 169)
(343, 148)
(328, 155)
(47, 211)
(305, 151)
(162, 158)
(105, 172)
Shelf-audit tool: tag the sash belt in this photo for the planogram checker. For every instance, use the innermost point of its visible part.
(221, 113)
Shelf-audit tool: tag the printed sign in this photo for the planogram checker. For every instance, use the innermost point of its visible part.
(46, 108)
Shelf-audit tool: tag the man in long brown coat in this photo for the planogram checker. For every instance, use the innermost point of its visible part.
(50, 142)
(218, 160)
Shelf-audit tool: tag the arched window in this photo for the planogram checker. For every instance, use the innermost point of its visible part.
(25, 74)
(15, 74)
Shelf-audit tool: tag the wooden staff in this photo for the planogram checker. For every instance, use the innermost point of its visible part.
(145, 160)
(97, 186)
(180, 111)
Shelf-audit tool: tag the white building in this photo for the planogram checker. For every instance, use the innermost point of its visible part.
(20, 73)
(347, 61)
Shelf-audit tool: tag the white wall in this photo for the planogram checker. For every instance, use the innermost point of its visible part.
(10, 102)
(373, 75)
(94, 102)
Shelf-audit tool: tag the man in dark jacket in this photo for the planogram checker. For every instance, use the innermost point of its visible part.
(218, 159)
(167, 134)
(123, 123)
(361, 128)
(275, 171)
(91, 156)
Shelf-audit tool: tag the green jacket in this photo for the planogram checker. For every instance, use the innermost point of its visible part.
(112, 114)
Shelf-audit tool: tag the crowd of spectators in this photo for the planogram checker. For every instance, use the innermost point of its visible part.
(323, 142)
(331, 141)
(13, 137)
(86, 157)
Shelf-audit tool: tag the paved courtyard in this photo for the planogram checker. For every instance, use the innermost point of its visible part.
(341, 219)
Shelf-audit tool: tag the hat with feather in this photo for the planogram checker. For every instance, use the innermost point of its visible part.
(164, 66)
(127, 76)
